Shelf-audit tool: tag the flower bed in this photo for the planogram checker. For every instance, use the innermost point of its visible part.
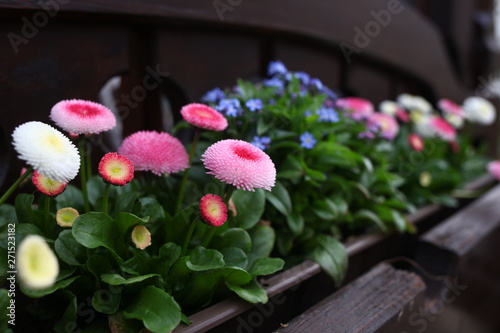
(281, 167)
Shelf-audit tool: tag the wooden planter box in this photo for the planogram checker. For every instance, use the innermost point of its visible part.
(293, 291)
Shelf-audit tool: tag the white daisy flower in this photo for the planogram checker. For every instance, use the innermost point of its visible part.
(389, 107)
(37, 265)
(47, 150)
(414, 103)
(479, 110)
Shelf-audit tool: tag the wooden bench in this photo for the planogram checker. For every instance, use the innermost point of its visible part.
(465, 248)
(382, 300)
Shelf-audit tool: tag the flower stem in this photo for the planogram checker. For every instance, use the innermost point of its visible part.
(105, 198)
(229, 194)
(188, 238)
(83, 175)
(46, 211)
(209, 237)
(182, 189)
(14, 186)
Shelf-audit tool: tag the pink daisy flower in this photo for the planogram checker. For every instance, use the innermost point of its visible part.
(402, 115)
(203, 116)
(416, 142)
(359, 108)
(141, 237)
(213, 210)
(442, 129)
(82, 117)
(156, 152)
(494, 169)
(46, 185)
(385, 124)
(240, 164)
(448, 106)
(116, 169)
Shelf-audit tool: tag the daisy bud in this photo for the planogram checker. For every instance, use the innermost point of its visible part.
(141, 237)
(66, 216)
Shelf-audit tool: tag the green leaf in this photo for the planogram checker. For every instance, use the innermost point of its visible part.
(7, 215)
(152, 208)
(332, 257)
(280, 199)
(365, 214)
(263, 237)
(69, 250)
(325, 209)
(96, 229)
(69, 316)
(98, 265)
(250, 207)
(399, 220)
(107, 300)
(266, 266)
(157, 309)
(125, 203)
(251, 292)
(234, 237)
(71, 197)
(126, 221)
(43, 292)
(234, 256)
(202, 259)
(24, 208)
(117, 280)
(295, 222)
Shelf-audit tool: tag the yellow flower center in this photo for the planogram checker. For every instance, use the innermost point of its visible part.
(55, 142)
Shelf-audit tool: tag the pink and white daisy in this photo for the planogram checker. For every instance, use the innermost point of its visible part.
(203, 116)
(65, 217)
(384, 124)
(240, 164)
(116, 169)
(47, 150)
(358, 108)
(141, 237)
(82, 117)
(46, 185)
(213, 210)
(453, 113)
(442, 129)
(494, 169)
(156, 152)
(416, 142)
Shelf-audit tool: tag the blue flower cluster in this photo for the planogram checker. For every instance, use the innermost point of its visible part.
(213, 96)
(230, 107)
(328, 115)
(261, 142)
(254, 104)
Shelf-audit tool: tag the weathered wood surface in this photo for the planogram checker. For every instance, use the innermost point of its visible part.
(380, 301)
(465, 248)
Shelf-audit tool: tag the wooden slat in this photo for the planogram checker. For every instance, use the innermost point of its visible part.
(381, 300)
